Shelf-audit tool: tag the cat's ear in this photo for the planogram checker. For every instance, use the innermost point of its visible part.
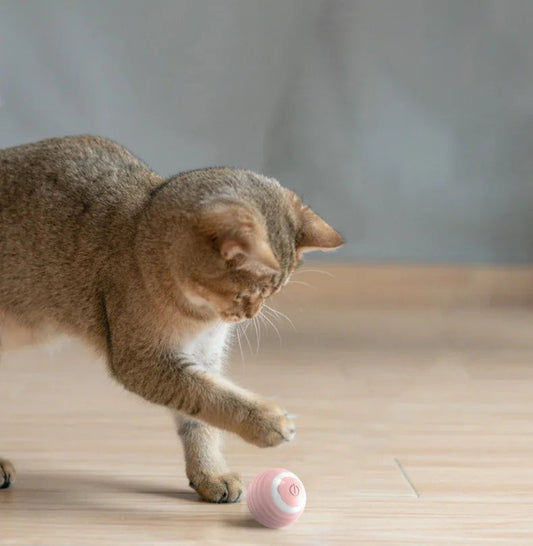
(240, 237)
(316, 234)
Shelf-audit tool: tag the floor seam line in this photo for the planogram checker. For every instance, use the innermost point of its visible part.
(406, 477)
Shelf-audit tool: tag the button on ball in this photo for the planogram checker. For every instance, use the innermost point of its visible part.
(276, 498)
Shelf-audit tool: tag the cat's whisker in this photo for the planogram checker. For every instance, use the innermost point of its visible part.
(267, 313)
(257, 335)
(278, 313)
(328, 273)
(274, 311)
(237, 331)
(264, 317)
(302, 283)
(270, 320)
(244, 327)
(292, 416)
(259, 330)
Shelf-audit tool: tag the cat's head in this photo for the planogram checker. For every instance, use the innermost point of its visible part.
(250, 233)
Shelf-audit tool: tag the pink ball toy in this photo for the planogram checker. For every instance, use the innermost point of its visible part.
(276, 498)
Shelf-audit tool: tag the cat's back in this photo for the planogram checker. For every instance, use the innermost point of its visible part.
(67, 208)
(69, 182)
(77, 166)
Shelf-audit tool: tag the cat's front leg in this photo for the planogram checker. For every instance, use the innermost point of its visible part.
(205, 466)
(177, 383)
(176, 377)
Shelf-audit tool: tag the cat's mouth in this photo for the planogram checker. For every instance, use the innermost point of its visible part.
(227, 317)
(231, 317)
(241, 315)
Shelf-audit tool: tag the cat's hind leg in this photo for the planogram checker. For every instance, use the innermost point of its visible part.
(205, 466)
(7, 473)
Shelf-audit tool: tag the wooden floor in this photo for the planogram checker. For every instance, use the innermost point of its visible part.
(415, 427)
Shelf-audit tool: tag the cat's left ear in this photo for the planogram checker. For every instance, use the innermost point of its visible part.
(316, 234)
(240, 236)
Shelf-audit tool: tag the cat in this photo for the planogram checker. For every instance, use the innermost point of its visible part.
(152, 273)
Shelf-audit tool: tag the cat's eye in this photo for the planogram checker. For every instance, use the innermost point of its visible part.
(238, 296)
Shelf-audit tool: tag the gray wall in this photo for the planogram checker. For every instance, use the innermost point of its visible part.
(407, 123)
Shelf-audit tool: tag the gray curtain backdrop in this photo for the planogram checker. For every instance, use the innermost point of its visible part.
(408, 124)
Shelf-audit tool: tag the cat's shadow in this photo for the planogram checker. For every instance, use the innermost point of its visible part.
(74, 490)
(137, 501)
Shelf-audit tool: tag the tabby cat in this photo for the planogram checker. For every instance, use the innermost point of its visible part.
(152, 273)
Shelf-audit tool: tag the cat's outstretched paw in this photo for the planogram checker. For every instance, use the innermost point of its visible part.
(268, 425)
(7, 473)
(225, 488)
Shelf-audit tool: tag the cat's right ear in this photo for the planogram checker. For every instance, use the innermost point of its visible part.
(239, 236)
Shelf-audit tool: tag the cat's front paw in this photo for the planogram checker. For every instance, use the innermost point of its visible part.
(268, 425)
(225, 488)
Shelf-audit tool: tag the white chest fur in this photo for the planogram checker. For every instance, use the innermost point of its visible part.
(208, 348)
(14, 335)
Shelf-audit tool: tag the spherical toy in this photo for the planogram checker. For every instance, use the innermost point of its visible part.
(276, 498)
